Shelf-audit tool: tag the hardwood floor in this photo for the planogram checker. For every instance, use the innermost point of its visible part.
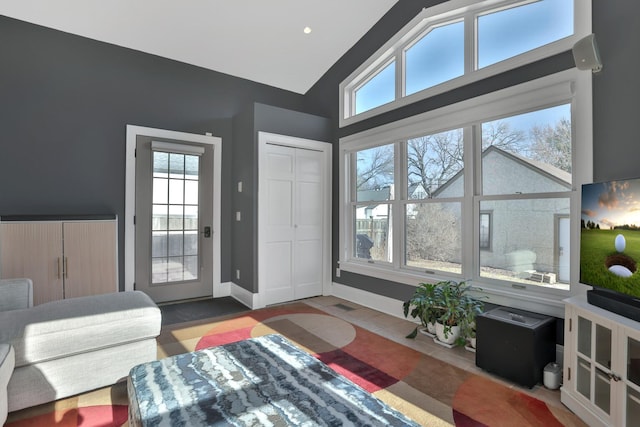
(396, 329)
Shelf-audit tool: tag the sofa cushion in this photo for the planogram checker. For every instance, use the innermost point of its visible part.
(77, 325)
(15, 294)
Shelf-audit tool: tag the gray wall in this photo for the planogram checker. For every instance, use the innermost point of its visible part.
(616, 91)
(65, 102)
(260, 118)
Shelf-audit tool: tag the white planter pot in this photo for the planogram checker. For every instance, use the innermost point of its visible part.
(431, 328)
(453, 333)
(473, 342)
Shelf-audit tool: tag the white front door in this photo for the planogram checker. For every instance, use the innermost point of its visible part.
(175, 253)
(293, 209)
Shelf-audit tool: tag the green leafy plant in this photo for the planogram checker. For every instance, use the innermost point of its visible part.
(422, 305)
(447, 302)
(460, 308)
(472, 307)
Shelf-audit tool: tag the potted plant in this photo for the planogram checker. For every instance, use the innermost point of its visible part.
(424, 307)
(473, 307)
(459, 310)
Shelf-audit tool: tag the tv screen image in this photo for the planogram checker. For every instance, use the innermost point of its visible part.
(610, 236)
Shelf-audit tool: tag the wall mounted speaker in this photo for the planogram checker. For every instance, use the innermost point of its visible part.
(586, 55)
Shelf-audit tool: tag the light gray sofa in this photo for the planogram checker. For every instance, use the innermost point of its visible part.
(70, 346)
(7, 362)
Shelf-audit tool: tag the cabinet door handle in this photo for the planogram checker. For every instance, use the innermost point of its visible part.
(66, 268)
(58, 268)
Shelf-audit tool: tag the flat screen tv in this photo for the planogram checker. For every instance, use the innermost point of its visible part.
(610, 245)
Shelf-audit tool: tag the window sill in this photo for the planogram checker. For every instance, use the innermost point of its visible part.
(535, 298)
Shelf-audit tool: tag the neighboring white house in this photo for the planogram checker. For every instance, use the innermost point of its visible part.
(537, 239)
(381, 211)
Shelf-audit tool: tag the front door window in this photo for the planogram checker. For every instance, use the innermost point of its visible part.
(174, 253)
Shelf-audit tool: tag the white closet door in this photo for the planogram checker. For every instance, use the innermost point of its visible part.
(308, 220)
(279, 226)
(293, 232)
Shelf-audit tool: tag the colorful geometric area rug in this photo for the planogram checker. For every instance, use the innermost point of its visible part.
(427, 390)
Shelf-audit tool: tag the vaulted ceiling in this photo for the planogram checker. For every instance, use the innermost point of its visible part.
(259, 40)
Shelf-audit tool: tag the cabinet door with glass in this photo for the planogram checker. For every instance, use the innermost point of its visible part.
(594, 366)
(631, 378)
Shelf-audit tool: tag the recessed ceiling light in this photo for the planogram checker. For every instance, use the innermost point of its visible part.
(307, 30)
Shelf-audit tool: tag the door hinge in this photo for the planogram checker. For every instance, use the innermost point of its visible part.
(570, 324)
(135, 152)
(134, 220)
(569, 373)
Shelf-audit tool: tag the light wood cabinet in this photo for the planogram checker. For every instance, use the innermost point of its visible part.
(64, 258)
(602, 365)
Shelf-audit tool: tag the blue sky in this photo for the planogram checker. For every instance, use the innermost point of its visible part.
(520, 29)
(541, 118)
(612, 203)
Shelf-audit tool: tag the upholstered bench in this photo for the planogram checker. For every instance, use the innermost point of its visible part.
(263, 380)
(70, 346)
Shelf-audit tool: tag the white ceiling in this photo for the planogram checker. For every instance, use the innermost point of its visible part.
(259, 40)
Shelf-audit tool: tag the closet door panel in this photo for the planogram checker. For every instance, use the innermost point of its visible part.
(309, 219)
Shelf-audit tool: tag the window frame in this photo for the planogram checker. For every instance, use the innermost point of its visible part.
(435, 16)
(570, 86)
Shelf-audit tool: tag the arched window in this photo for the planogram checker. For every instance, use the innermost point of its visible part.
(459, 42)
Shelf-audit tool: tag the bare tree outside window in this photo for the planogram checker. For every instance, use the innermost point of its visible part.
(374, 168)
(434, 236)
(501, 134)
(373, 213)
(552, 144)
(434, 159)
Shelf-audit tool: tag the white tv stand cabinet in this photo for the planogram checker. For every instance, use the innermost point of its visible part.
(601, 365)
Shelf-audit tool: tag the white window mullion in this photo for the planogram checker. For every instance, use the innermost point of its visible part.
(400, 179)
(400, 75)
(470, 207)
(470, 43)
(346, 204)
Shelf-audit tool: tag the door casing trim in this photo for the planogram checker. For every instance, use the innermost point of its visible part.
(130, 196)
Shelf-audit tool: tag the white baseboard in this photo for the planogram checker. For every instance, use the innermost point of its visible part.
(245, 297)
(380, 303)
(222, 290)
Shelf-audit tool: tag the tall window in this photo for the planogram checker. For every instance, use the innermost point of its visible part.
(434, 225)
(481, 200)
(372, 215)
(456, 43)
(526, 184)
